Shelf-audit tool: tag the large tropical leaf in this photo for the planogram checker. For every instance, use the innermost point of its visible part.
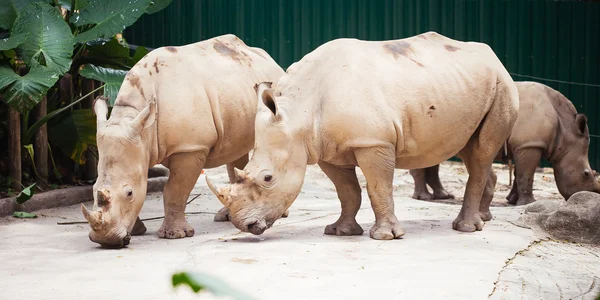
(23, 93)
(201, 281)
(111, 77)
(109, 16)
(50, 42)
(9, 9)
(12, 42)
(157, 5)
(74, 133)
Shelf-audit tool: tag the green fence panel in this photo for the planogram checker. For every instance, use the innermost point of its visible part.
(547, 39)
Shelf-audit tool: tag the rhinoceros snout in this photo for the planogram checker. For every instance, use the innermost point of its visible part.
(256, 227)
(111, 243)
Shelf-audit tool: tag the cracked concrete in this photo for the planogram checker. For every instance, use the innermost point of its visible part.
(294, 260)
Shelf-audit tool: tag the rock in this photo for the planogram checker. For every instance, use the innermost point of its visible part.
(577, 220)
(158, 171)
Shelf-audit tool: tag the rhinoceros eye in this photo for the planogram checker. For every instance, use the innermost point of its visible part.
(268, 178)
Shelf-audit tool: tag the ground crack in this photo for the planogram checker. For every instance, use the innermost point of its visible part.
(510, 260)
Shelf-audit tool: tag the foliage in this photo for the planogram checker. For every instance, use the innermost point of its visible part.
(24, 215)
(201, 281)
(25, 194)
(48, 39)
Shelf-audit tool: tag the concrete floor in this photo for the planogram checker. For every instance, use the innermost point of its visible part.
(294, 260)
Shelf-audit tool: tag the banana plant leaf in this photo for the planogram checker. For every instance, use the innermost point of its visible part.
(111, 77)
(109, 17)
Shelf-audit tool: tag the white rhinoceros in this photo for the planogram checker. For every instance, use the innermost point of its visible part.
(379, 105)
(188, 108)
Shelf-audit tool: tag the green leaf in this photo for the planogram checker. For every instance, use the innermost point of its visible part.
(111, 77)
(201, 281)
(12, 42)
(9, 9)
(50, 42)
(157, 5)
(74, 133)
(26, 194)
(23, 215)
(109, 16)
(66, 4)
(111, 51)
(140, 52)
(23, 93)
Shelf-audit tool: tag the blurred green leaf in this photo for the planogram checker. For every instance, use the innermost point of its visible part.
(201, 281)
(25, 194)
(140, 52)
(23, 215)
(109, 17)
(12, 42)
(111, 77)
(157, 5)
(73, 133)
(50, 42)
(9, 9)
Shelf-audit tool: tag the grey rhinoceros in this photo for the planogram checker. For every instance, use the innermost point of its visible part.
(379, 105)
(547, 126)
(188, 108)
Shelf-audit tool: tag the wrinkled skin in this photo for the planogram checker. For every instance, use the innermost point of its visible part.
(548, 126)
(379, 106)
(203, 119)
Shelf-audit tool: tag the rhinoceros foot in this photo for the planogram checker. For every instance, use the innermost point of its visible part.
(139, 228)
(442, 195)
(175, 230)
(222, 215)
(343, 228)
(386, 231)
(525, 199)
(422, 195)
(485, 216)
(469, 223)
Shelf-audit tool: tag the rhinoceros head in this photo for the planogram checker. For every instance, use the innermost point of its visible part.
(272, 179)
(572, 169)
(120, 189)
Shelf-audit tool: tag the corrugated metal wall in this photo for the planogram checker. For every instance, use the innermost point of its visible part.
(558, 40)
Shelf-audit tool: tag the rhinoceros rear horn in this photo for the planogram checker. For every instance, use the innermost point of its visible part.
(145, 118)
(93, 217)
(100, 109)
(222, 194)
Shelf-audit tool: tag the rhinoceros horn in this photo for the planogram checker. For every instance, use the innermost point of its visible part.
(239, 174)
(93, 217)
(222, 193)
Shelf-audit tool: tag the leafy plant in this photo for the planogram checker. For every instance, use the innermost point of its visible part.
(24, 215)
(201, 281)
(25, 194)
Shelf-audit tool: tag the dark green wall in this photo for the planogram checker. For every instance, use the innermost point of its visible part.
(557, 40)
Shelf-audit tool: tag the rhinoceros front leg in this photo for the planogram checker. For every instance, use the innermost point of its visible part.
(378, 165)
(432, 177)
(184, 170)
(526, 162)
(421, 192)
(348, 190)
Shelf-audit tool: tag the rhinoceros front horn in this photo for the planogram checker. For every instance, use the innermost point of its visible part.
(222, 194)
(93, 217)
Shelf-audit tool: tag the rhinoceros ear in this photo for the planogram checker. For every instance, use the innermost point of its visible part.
(145, 118)
(100, 109)
(265, 95)
(581, 122)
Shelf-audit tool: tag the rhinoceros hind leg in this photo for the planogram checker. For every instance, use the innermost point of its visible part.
(139, 228)
(421, 192)
(488, 196)
(348, 190)
(222, 215)
(184, 170)
(432, 177)
(378, 165)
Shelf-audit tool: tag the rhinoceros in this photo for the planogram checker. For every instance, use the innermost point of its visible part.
(188, 108)
(379, 105)
(548, 126)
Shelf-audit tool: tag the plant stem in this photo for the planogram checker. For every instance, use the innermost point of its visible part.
(31, 131)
